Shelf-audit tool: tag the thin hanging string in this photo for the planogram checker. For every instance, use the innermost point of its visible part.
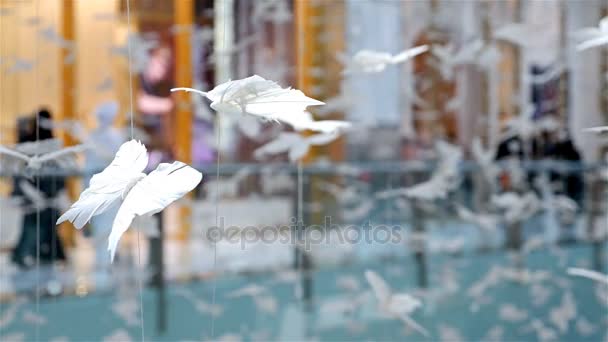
(37, 173)
(140, 275)
(300, 219)
(217, 186)
(300, 231)
(1, 136)
(217, 210)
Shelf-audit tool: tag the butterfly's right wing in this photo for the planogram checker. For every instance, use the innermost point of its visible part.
(163, 186)
(108, 186)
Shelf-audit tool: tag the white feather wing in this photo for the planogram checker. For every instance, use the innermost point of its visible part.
(39, 147)
(161, 187)
(409, 53)
(66, 152)
(272, 103)
(283, 143)
(108, 186)
(381, 290)
(322, 139)
(13, 154)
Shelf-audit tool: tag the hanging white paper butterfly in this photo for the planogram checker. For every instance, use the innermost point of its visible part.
(256, 96)
(64, 158)
(394, 305)
(369, 61)
(124, 182)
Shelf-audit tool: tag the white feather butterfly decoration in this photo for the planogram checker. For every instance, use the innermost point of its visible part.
(294, 144)
(256, 96)
(124, 182)
(369, 61)
(395, 305)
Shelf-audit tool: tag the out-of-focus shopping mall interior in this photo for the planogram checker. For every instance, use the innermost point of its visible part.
(303, 170)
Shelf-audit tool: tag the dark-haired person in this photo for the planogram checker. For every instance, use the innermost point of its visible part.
(38, 225)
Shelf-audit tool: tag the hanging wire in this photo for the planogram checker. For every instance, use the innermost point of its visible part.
(1, 136)
(300, 219)
(139, 277)
(217, 188)
(37, 173)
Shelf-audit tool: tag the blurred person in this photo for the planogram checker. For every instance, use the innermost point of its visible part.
(567, 151)
(155, 104)
(38, 225)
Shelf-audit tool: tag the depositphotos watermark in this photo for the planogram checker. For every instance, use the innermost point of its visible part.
(326, 233)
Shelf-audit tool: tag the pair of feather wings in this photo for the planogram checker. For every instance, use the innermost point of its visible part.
(124, 181)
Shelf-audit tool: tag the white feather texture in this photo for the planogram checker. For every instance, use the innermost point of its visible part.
(305, 121)
(256, 96)
(294, 144)
(369, 61)
(152, 194)
(124, 180)
(109, 186)
(592, 37)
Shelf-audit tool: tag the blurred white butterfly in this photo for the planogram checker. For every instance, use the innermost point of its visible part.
(445, 178)
(561, 315)
(124, 181)
(449, 57)
(369, 61)
(294, 144)
(590, 274)
(304, 121)
(256, 96)
(515, 207)
(592, 37)
(20, 65)
(488, 223)
(140, 51)
(598, 129)
(395, 305)
(252, 290)
(64, 158)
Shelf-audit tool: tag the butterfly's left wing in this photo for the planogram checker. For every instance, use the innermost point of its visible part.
(152, 194)
(381, 289)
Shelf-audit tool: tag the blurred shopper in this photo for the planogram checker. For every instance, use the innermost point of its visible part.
(38, 226)
(155, 104)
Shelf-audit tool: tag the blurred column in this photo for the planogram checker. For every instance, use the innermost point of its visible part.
(585, 82)
(67, 91)
(68, 70)
(319, 30)
(184, 17)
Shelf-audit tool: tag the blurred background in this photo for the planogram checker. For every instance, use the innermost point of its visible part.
(505, 82)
